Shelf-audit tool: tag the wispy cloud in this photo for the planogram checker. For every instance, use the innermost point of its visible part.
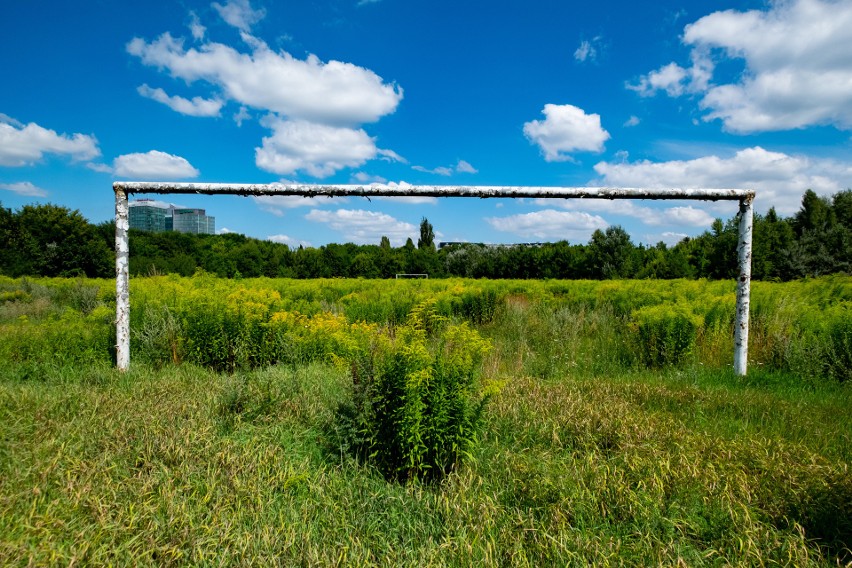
(195, 27)
(239, 14)
(197, 106)
(24, 188)
(461, 167)
(589, 50)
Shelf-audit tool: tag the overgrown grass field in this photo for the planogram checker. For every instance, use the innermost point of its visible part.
(612, 430)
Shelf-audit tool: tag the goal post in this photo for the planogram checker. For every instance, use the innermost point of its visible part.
(123, 189)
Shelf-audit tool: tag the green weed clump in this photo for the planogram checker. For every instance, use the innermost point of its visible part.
(664, 334)
(478, 306)
(416, 407)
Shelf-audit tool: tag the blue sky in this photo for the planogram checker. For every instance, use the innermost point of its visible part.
(667, 94)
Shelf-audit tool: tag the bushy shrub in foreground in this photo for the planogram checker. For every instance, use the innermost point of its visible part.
(416, 406)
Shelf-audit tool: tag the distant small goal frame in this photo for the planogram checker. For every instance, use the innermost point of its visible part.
(123, 189)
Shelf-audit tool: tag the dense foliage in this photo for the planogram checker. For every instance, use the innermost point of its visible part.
(52, 241)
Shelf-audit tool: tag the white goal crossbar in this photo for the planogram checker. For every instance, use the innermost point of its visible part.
(123, 189)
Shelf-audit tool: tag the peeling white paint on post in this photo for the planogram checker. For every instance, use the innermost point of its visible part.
(124, 188)
(746, 225)
(122, 281)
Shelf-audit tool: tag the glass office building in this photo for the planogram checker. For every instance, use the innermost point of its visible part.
(148, 215)
(194, 221)
(155, 216)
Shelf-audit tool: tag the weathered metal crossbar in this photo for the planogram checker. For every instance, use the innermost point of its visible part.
(406, 190)
(123, 189)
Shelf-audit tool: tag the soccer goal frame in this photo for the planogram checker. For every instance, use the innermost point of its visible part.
(123, 189)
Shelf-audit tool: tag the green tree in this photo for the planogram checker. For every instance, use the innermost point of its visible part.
(771, 248)
(609, 252)
(822, 243)
(815, 214)
(308, 263)
(12, 261)
(842, 207)
(363, 266)
(59, 242)
(427, 235)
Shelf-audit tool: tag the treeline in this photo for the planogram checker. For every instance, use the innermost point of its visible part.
(48, 240)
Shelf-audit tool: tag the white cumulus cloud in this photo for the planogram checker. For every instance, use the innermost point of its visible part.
(669, 78)
(318, 149)
(314, 109)
(153, 165)
(197, 106)
(684, 216)
(330, 92)
(21, 145)
(796, 58)
(550, 224)
(779, 179)
(364, 227)
(566, 129)
(24, 188)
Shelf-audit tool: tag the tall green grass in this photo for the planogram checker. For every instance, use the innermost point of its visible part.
(594, 450)
(185, 466)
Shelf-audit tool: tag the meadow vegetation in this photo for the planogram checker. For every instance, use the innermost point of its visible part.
(425, 422)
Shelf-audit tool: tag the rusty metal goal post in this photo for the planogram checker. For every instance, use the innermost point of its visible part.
(123, 189)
